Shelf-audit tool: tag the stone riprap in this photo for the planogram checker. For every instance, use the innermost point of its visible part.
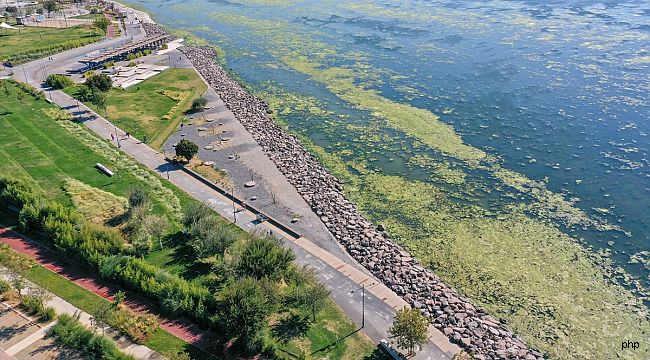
(463, 323)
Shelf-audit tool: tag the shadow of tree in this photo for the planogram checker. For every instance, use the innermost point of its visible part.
(183, 254)
(11, 331)
(377, 354)
(291, 327)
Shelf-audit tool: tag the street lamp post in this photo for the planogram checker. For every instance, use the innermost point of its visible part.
(363, 303)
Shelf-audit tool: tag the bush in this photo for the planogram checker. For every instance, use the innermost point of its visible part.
(57, 81)
(13, 260)
(35, 306)
(4, 286)
(139, 328)
(69, 332)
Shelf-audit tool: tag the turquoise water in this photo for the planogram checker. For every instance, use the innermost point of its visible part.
(558, 91)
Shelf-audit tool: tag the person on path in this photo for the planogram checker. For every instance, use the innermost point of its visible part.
(112, 137)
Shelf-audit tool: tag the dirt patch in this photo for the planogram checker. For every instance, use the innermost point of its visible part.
(96, 205)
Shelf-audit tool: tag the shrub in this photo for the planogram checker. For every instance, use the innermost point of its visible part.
(13, 260)
(68, 331)
(34, 305)
(4, 287)
(164, 46)
(57, 81)
(172, 293)
(139, 328)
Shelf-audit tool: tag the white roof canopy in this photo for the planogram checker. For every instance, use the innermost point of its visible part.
(4, 25)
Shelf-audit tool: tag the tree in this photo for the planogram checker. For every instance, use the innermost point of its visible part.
(210, 238)
(264, 257)
(194, 213)
(309, 293)
(409, 329)
(101, 23)
(102, 316)
(11, 10)
(186, 149)
(101, 82)
(243, 309)
(98, 99)
(199, 103)
(51, 6)
(139, 198)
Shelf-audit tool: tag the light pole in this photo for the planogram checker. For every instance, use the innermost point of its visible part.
(363, 303)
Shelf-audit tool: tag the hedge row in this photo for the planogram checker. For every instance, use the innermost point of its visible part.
(33, 54)
(103, 249)
(68, 331)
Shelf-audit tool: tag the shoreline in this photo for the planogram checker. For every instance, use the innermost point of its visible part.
(464, 324)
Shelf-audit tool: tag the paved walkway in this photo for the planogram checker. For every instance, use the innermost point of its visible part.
(63, 307)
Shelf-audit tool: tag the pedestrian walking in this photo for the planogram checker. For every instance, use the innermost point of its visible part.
(112, 137)
(144, 139)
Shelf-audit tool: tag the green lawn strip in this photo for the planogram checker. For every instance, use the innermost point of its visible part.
(140, 108)
(89, 302)
(326, 338)
(87, 16)
(34, 42)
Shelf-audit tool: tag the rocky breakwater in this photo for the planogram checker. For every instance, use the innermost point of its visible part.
(463, 323)
(151, 29)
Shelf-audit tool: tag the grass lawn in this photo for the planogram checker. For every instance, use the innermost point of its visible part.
(35, 42)
(155, 107)
(35, 146)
